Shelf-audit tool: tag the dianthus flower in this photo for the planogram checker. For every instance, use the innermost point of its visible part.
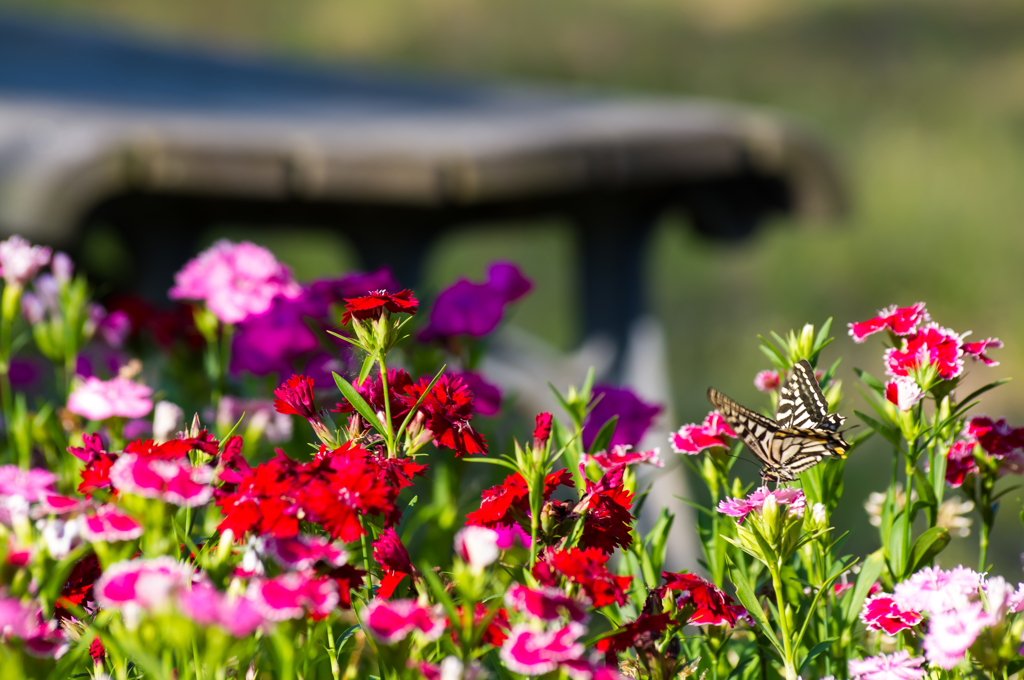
(932, 345)
(448, 407)
(141, 585)
(767, 381)
(475, 309)
(692, 439)
(391, 622)
(397, 472)
(896, 666)
(109, 524)
(635, 416)
(952, 632)
(960, 462)
(206, 606)
(374, 305)
(295, 397)
(394, 559)
(371, 389)
(621, 456)
(741, 507)
(933, 590)
(530, 652)
(78, 589)
(997, 438)
(608, 522)
(235, 280)
(479, 547)
(304, 551)
(289, 595)
(172, 481)
(31, 485)
(97, 399)
(903, 392)
(711, 606)
(880, 612)
(898, 320)
(546, 604)
(542, 429)
(20, 260)
(499, 504)
(43, 639)
(588, 569)
(978, 349)
(646, 626)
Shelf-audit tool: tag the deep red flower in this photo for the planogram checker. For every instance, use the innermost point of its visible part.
(586, 568)
(608, 523)
(647, 625)
(93, 448)
(934, 345)
(267, 500)
(960, 462)
(398, 472)
(170, 450)
(204, 441)
(96, 474)
(394, 559)
(711, 606)
(97, 651)
(78, 589)
(448, 408)
(295, 397)
(499, 504)
(232, 467)
(372, 306)
(542, 431)
(372, 390)
(497, 630)
(899, 320)
(996, 437)
(348, 578)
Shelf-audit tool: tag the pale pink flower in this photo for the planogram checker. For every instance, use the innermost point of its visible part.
(477, 546)
(767, 381)
(621, 456)
(20, 260)
(741, 507)
(903, 392)
(533, 652)
(303, 551)
(391, 621)
(288, 595)
(31, 485)
(206, 606)
(952, 632)
(235, 280)
(109, 524)
(933, 590)
(141, 585)
(692, 439)
(63, 267)
(97, 399)
(880, 612)
(172, 481)
(899, 320)
(546, 604)
(33, 309)
(896, 666)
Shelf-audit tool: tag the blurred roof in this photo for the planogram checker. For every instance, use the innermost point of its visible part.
(86, 115)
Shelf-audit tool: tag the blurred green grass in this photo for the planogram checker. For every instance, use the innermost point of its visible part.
(921, 100)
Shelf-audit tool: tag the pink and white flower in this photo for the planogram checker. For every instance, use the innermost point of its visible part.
(978, 349)
(533, 652)
(952, 632)
(172, 481)
(391, 621)
(741, 507)
(287, 596)
(896, 666)
(44, 639)
(932, 345)
(960, 462)
(303, 551)
(546, 604)
(97, 399)
(880, 612)
(899, 320)
(934, 591)
(235, 280)
(109, 524)
(477, 546)
(692, 439)
(206, 606)
(767, 381)
(20, 260)
(141, 585)
(903, 392)
(621, 456)
(31, 485)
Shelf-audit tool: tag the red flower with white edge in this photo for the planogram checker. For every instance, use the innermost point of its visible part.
(767, 381)
(646, 625)
(109, 524)
(960, 462)
(546, 604)
(996, 437)
(621, 456)
(499, 504)
(172, 481)
(899, 320)
(392, 621)
(692, 439)
(302, 552)
(448, 408)
(903, 392)
(932, 345)
(374, 305)
(532, 652)
(711, 606)
(586, 568)
(289, 595)
(978, 349)
(880, 612)
(394, 560)
(477, 546)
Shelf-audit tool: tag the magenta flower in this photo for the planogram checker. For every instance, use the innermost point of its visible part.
(273, 341)
(767, 381)
(933, 590)
(486, 397)
(235, 280)
(903, 392)
(960, 462)
(741, 507)
(31, 485)
(635, 416)
(355, 284)
(303, 551)
(97, 399)
(692, 439)
(899, 320)
(206, 606)
(141, 585)
(952, 632)
(978, 349)
(54, 504)
(172, 481)
(288, 595)
(897, 666)
(475, 309)
(932, 345)
(532, 652)
(20, 260)
(390, 622)
(477, 546)
(621, 456)
(880, 612)
(996, 437)
(110, 524)
(546, 604)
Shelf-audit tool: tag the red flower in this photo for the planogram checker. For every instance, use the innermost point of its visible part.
(171, 450)
(78, 589)
(348, 578)
(997, 438)
(96, 474)
(978, 349)
(93, 448)
(960, 462)
(587, 568)
(932, 345)
(232, 467)
(542, 431)
(899, 320)
(448, 408)
(97, 651)
(295, 397)
(500, 503)
(497, 630)
(712, 607)
(398, 472)
(608, 523)
(347, 487)
(373, 305)
(371, 389)
(632, 634)
(394, 560)
(880, 612)
(266, 500)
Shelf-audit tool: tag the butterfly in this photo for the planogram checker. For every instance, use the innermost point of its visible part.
(802, 435)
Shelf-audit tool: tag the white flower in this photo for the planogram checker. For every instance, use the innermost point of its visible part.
(903, 392)
(951, 517)
(20, 260)
(477, 546)
(168, 419)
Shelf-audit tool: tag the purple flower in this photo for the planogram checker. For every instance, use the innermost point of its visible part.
(356, 284)
(475, 309)
(898, 666)
(486, 397)
(271, 342)
(635, 416)
(741, 507)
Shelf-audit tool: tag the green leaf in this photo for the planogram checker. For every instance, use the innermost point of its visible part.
(926, 547)
(494, 461)
(871, 381)
(924, 487)
(891, 435)
(358, 403)
(419, 401)
(604, 436)
(367, 366)
(815, 651)
(819, 342)
(869, 573)
(894, 546)
(753, 606)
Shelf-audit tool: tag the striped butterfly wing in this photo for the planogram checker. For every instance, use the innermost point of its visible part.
(756, 431)
(802, 404)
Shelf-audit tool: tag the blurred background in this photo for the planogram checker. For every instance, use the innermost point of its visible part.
(920, 101)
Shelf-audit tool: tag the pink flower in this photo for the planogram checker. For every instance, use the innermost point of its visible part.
(899, 320)
(768, 380)
(978, 349)
(897, 666)
(303, 551)
(933, 590)
(932, 345)
(477, 546)
(903, 392)
(206, 606)
(235, 280)
(97, 399)
(286, 596)
(141, 585)
(546, 604)
(621, 456)
(391, 622)
(996, 437)
(692, 439)
(532, 652)
(172, 481)
(960, 462)
(952, 632)
(109, 524)
(880, 612)
(741, 507)
(20, 260)
(32, 485)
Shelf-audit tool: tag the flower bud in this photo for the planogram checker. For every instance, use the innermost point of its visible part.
(477, 546)
(62, 267)
(32, 308)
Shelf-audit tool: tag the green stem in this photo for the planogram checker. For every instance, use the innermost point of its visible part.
(387, 406)
(366, 566)
(335, 669)
(787, 642)
(8, 310)
(196, 661)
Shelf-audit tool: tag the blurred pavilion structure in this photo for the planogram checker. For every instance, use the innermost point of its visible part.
(164, 142)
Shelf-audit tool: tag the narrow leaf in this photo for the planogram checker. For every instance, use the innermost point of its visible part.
(604, 436)
(869, 573)
(753, 606)
(926, 547)
(358, 403)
